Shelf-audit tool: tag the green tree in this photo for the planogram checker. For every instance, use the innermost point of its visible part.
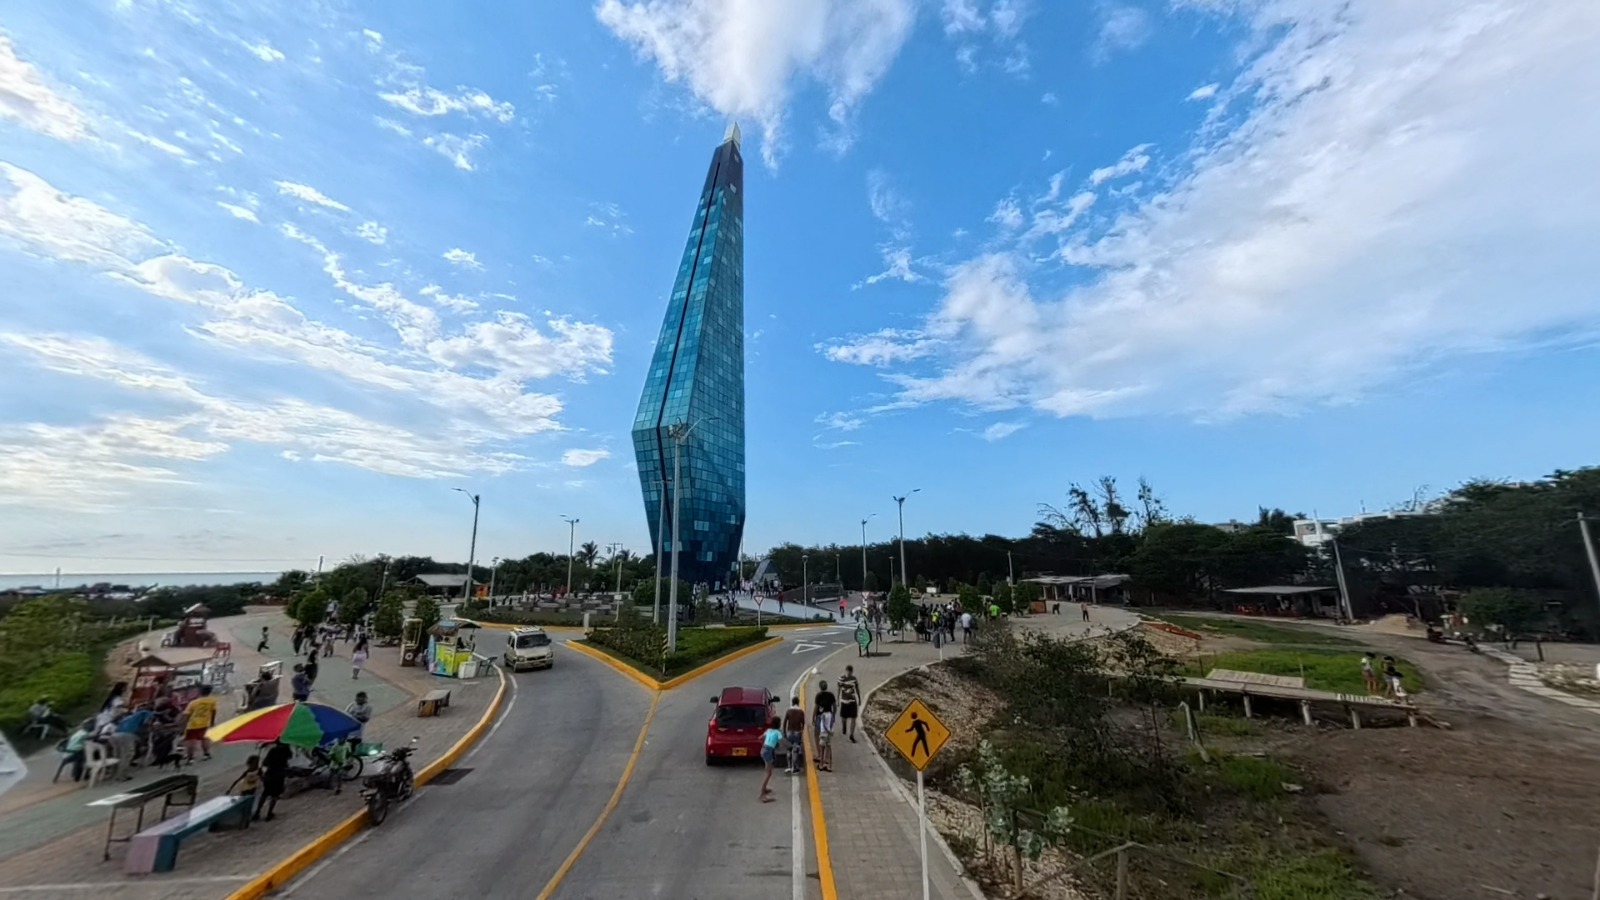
(1001, 797)
(871, 583)
(311, 608)
(427, 609)
(355, 605)
(390, 618)
(1515, 612)
(901, 611)
(1024, 595)
(969, 599)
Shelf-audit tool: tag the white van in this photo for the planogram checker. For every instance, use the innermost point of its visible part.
(529, 647)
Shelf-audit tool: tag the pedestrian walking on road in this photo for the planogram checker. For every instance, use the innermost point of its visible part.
(1368, 673)
(262, 647)
(311, 666)
(1084, 608)
(769, 752)
(300, 685)
(299, 639)
(200, 715)
(794, 731)
(358, 658)
(966, 627)
(849, 702)
(274, 772)
(826, 706)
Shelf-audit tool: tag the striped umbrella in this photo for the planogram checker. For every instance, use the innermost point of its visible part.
(297, 724)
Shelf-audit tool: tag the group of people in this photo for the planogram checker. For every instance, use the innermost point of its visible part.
(146, 734)
(1386, 679)
(829, 710)
(318, 642)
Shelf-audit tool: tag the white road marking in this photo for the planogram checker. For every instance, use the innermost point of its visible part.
(105, 885)
(797, 836)
(806, 648)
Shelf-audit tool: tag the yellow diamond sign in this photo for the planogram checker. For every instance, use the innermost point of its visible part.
(918, 734)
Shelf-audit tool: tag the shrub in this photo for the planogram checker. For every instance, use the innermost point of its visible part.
(70, 680)
(640, 642)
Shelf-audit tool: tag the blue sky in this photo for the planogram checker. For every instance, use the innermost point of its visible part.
(276, 279)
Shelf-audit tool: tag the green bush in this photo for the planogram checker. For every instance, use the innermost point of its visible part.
(639, 642)
(510, 615)
(70, 680)
(1323, 670)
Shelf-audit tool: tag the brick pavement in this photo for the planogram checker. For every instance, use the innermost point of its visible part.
(51, 847)
(872, 828)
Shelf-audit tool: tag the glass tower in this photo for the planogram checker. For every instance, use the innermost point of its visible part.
(695, 388)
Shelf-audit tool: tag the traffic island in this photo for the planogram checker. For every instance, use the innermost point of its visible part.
(639, 651)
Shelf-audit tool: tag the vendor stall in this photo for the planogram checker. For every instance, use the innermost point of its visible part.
(450, 648)
(175, 672)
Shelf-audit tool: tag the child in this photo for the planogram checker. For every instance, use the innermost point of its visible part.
(769, 752)
(248, 783)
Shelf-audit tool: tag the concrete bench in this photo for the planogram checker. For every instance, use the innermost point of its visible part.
(155, 849)
(167, 790)
(432, 702)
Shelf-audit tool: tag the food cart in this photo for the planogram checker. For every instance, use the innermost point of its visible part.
(191, 630)
(176, 672)
(451, 649)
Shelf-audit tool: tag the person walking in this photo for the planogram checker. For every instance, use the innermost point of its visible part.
(1392, 679)
(299, 639)
(311, 666)
(199, 715)
(1368, 673)
(826, 706)
(274, 772)
(966, 627)
(769, 752)
(358, 658)
(1084, 608)
(261, 646)
(794, 731)
(849, 702)
(300, 685)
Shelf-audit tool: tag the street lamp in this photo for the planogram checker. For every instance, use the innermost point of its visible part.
(494, 569)
(680, 436)
(616, 557)
(661, 547)
(900, 502)
(472, 553)
(1011, 570)
(572, 537)
(805, 579)
(864, 551)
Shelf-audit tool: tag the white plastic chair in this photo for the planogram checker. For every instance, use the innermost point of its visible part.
(98, 762)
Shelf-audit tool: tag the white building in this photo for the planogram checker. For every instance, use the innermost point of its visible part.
(1315, 533)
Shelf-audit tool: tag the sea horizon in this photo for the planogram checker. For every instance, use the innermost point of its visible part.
(50, 580)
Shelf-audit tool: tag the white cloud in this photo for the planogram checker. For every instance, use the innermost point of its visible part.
(164, 146)
(1204, 92)
(841, 421)
(883, 347)
(462, 259)
(1050, 99)
(1007, 214)
(513, 346)
(391, 125)
(1121, 28)
(887, 205)
(968, 24)
(452, 302)
(608, 216)
(897, 266)
(456, 148)
(374, 39)
(746, 60)
(310, 194)
(1133, 161)
(580, 459)
(373, 233)
(427, 101)
(999, 431)
(46, 222)
(27, 99)
(265, 52)
(240, 212)
(1355, 225)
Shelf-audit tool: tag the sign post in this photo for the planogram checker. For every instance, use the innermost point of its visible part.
(919, 736)
(757, 598)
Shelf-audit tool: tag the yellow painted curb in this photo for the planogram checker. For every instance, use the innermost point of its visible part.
(616, 797)
(650, 684)
(718, 663)
(280, 875)
(819, 822)
(657, 685)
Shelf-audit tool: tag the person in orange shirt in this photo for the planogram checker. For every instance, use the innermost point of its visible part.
(200, 714)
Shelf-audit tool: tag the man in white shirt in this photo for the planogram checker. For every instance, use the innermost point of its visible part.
(966, 627)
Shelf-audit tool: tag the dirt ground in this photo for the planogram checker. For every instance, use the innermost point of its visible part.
(1501, 802)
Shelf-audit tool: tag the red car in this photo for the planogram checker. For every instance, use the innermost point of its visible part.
(739, 723)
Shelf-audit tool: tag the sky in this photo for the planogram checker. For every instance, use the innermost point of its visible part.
(276, 280)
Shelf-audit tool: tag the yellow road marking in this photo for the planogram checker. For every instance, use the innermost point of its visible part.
(616, 797)
(819, 821)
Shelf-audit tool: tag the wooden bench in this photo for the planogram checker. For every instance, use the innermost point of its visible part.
(156, 848)
(432, 702)
(168, 790)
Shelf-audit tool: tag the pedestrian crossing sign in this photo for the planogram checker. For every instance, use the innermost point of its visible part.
(918, 734)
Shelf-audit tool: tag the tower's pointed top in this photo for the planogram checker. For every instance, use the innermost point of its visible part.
(733, 134)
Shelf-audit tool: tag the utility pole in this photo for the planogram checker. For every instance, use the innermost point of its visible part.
(1011, 570)
(472, 552)
(494, 570)
(1588, 548)
(572, 544)
(900, 503)
(1344, 589)
(383, 583)
(680, 435)
(617, 558)
(805, 579)
(864, 552)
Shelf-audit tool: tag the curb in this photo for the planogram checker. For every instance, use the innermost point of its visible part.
(653, 684)
(281, 874)
(1525, 675)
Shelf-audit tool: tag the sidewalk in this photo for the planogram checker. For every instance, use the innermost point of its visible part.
(872, 831)
(51, 841)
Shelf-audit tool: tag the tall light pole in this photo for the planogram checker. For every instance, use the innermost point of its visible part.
(472, 552)
(1588, 547)
(900, 502)
(1011, 570)
(617, 558)
(864, 551)
(805, 579)
(680, 436)
(572, 538)
(494, 569)
(661, 549)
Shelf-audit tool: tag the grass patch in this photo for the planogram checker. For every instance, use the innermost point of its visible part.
(1324, 670)
(696, 647)
(1256, 631)
(1253, 778)
(1315, 875)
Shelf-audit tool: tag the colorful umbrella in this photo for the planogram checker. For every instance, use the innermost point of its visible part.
(297, 724)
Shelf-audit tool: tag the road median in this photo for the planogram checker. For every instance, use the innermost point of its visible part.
(632, 669)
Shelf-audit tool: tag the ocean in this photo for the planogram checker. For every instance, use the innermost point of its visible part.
(141, 579)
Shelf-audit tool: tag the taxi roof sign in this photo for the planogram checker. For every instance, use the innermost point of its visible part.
(918, 734)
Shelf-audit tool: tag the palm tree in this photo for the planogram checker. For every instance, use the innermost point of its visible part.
(589, 551)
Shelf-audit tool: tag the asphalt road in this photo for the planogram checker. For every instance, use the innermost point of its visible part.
(536, 785)
(688, 831)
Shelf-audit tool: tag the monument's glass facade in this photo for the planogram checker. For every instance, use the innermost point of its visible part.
(696, 382)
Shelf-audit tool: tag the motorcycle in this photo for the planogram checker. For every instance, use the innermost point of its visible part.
(391, 782)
